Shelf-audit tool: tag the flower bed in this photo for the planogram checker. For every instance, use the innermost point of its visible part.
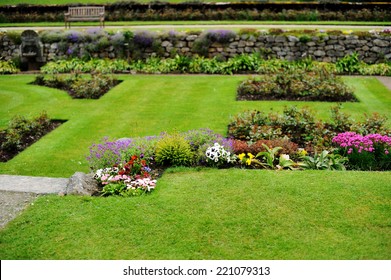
(244, 63)
(131, 167)
(298, 85)
(78, 86)
(22, 132)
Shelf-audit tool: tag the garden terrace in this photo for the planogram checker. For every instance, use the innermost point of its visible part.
(321, 46)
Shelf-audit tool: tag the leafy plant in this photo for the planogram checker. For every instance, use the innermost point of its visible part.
(348, 64)
(8, 67)
(324, 161)
(284, 162)
(269, 156)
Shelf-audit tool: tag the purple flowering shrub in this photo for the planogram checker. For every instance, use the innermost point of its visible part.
(143, 39)
(369, 152)
(220, 36)
(111, 153)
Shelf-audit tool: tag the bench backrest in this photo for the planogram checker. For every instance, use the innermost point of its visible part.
(86, 11)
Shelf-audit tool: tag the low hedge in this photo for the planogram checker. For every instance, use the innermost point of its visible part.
(131, 11)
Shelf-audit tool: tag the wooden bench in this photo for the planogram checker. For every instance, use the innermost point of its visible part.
(85, 14)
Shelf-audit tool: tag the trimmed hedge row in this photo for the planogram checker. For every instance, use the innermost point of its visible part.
(131, 11)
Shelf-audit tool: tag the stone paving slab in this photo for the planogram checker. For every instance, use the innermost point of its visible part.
(38, 185)
(385, 80)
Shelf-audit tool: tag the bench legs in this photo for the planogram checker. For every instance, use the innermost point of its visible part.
(68, 24)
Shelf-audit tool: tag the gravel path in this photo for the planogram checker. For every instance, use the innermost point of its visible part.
(12, 203)
(386, 81)
(17, 192)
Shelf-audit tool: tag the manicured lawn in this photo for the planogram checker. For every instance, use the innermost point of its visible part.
(215, 214)
(194, 213)
(141, 106)
(206, 25)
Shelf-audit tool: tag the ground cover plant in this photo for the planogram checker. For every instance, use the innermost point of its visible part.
(349, 223)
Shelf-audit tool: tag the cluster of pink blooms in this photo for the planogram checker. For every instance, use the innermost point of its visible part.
(352, 140)
(110, 175)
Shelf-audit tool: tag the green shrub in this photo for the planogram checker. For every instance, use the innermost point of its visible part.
(173, 150)
(7, 67)
(349, 64)
(15, 37)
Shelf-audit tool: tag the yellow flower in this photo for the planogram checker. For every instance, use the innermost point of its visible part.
(302, 152)
(250, 155)
(248, 162)
(241, 156)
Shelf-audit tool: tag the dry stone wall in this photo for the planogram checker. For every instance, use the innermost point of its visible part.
(328, 48)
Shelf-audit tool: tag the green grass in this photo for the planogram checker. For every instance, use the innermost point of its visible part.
(207, 25)
(215, 214)
(194, 213)
(141, 106)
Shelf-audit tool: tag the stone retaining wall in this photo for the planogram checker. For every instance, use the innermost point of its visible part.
(329, 48)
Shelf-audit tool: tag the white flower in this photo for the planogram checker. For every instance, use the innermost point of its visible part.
(285, 156)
